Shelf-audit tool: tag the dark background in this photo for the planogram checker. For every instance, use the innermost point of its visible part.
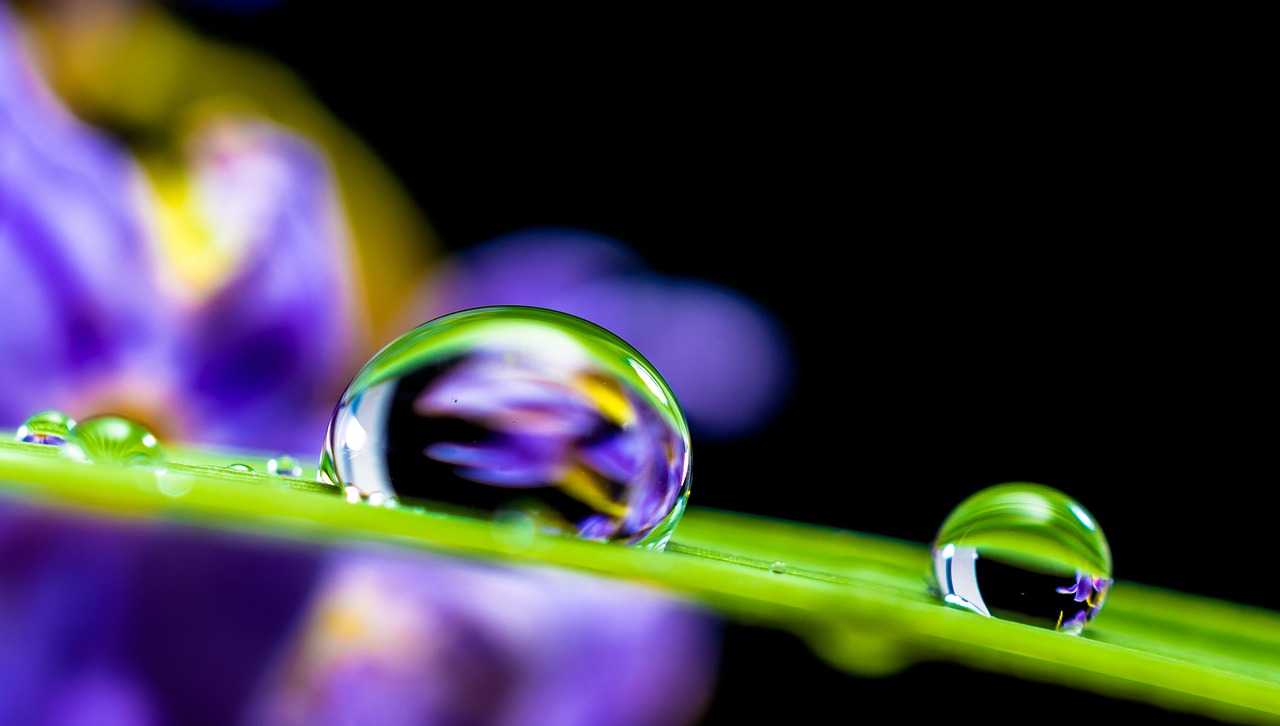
(999, 257)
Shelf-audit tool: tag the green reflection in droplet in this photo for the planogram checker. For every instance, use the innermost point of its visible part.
(1026, 552)
(284, 465)
(50, 427)
(113, 439)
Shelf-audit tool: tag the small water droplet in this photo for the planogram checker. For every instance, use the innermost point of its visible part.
(284, 465)
(1024, 552)
(115, 439)
(476, 410)
(515, 529)
(778, 567)
(49, 427)
(240, 467)
(172, 486)
(380, 499)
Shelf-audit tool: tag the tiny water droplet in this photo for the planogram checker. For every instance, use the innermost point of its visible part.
(1024, 552)
(240, 467)
(284, 465)
(778, 567)
(49, 427)
(515, 529)
(380, 499)
(108, 438)
(172, 486)
(477, 410)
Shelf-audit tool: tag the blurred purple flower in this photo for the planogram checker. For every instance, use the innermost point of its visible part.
(105, 622)
(393, 640)
(79, 281)
(726, 357)
(128, 622)
(97, 318)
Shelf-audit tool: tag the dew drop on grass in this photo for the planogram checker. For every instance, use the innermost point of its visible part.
(284, 465)
(494, 410)
(1025, 552)
(112, 439)
(49, 427)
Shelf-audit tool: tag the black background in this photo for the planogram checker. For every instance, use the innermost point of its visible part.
(999, 256)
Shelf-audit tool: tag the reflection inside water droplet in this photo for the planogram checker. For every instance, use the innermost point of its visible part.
(49, 427)
(778, 567)
(496, 409)
(1024, 552)
(284, 465)
(115, 440)
(240, 467)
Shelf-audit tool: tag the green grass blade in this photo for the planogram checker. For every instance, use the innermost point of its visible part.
(859, 600)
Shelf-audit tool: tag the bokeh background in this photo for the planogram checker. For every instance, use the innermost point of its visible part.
(992, 261)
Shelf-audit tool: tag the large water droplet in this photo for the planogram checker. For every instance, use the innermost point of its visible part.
(1024, 552)
(108, 438)
(49, 427)
(495, 410)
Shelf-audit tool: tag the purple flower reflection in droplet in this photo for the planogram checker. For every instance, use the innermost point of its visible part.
(546, 427)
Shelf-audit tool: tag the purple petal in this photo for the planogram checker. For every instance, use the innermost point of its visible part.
(106, 698)
(257, 360)
(726, 358)
(522, 268)
(77, 282)
(167, 624)
(490, 393)
(509, 461)
(271, 350)
(428, 640)
(138, 618)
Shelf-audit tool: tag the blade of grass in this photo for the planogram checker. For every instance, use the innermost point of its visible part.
(858, 599)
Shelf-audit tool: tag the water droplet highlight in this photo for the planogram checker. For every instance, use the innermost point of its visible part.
(495, 409)
(284, 465)
(240, 467)
(778, 567)
(117, 440)
(1024, 552)
(49, 427)
(173, 487)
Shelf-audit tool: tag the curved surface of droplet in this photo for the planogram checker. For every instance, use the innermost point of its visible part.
(49, 427)
(112, 439)
(1025, 552)
(494, 410)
